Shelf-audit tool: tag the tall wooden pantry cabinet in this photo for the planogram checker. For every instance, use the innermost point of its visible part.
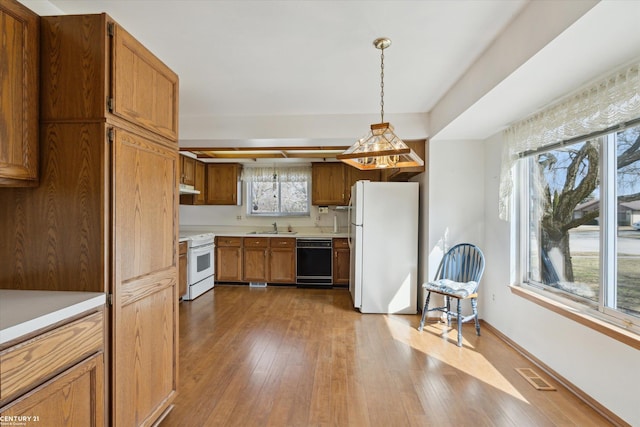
(105, 215)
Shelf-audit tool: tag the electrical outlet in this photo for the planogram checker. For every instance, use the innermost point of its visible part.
(239, 217)
(323, 209)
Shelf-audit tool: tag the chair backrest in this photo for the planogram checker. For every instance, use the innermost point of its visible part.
(462, 263)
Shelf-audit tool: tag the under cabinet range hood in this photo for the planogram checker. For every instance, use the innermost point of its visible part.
(188, 189)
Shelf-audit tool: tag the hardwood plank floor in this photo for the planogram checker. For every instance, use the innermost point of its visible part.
(281, 356)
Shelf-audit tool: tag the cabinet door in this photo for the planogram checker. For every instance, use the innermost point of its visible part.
(222, 183)
(19, 32)
(228, 259)
(182, 269)
(282, 260)
(341, 261)
(255, 259)
(187, 170)
(145, 295)
(73, 398)
(199, 184)
(328, 184)
(144, 90)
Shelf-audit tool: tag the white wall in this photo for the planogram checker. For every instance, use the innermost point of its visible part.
(603, 368)
(454, 201)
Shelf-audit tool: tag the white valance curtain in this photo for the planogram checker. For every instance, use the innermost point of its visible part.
(276, 173)
(609, 102)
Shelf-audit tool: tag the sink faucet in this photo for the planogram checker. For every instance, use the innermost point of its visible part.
(275, 227)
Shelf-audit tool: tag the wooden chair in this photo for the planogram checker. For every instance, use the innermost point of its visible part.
(458, 277)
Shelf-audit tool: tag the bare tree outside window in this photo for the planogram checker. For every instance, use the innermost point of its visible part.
(564, 218)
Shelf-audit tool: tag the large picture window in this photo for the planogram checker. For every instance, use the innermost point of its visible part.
(278, 191)
(580, 220)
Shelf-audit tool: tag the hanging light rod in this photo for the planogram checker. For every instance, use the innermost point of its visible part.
(380, 148)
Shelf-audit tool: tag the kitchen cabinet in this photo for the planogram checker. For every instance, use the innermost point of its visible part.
(105, 215)
(419, 146)
(282, 260)
(228, 259)
(341, 260)
(223, 184)
(328, 184)
(255, 259)
(182, 268)
(187, 170)
(331, 182)
(19, 86)
(65, 370)
(199, 184)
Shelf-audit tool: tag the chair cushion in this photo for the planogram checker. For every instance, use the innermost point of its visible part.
(459, 289)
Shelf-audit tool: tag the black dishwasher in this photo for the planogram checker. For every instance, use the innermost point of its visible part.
(314, 265)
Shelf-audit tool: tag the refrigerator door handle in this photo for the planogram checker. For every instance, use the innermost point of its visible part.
(349, 222)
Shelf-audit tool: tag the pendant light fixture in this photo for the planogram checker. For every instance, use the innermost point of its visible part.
(381, 147)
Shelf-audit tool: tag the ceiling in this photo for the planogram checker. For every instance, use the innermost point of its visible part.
(256, 74)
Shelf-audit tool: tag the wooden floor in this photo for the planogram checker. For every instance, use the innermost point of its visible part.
(304, 357)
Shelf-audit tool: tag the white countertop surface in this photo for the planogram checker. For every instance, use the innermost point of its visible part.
(306, 232)
(24, 312)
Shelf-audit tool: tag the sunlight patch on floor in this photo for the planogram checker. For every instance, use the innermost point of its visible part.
(465, 359)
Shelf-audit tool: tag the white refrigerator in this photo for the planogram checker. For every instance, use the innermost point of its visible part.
(383, 236)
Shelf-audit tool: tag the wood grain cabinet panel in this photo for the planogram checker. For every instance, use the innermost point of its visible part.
(182, 269)
(222, 183)
(105, 215)
(328, 182)
(19, 33)
(255, 259)
(228, 259)
(57, 376)
(73, 398)
(341, 261)
(282, 260)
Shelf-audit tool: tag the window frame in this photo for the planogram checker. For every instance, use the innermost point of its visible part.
(597, 311)
(279, 213)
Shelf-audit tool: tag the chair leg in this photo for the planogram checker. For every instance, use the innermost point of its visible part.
(448, 313)
(459, 323)
(474, 306)
(424, 312)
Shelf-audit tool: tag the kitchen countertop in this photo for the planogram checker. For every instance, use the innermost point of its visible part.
(24, 312)
(307, 232)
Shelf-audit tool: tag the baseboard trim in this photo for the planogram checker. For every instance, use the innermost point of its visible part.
(610, 416)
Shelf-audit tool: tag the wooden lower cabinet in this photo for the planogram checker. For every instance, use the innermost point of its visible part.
(282, 260)
(255, 259)
(182, 269)
(228, 259)
(341, 260)
(63, 384)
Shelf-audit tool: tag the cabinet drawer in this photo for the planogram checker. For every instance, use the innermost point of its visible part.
(28, 364)
(229, 241)
(256, 242)
(283, 242)
(340, 243)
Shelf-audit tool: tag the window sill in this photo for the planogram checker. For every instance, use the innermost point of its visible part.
(617, 333)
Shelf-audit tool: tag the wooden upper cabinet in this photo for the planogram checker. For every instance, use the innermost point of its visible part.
(101, 58)
(222, 183)
(19, 35)
(419, 146)
(328, 182)
(144, 90)
(187, 170)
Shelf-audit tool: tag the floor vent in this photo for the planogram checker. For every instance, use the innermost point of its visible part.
(534, 379)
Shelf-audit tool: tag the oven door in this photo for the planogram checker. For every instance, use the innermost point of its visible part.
(200, 260)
